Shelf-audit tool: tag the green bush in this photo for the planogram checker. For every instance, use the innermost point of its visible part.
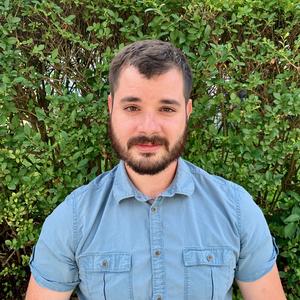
(54, 59)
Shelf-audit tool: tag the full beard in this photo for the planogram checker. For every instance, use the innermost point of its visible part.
(147, 164)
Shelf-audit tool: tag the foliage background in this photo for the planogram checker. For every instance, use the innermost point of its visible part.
(54, 57)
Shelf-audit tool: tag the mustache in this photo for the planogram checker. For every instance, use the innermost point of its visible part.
(142, 139)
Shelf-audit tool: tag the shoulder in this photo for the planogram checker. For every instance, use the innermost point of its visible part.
(100, 183)
(232, 198)
(225, 194)
(212, 181)
(83, 198)
(79, 209)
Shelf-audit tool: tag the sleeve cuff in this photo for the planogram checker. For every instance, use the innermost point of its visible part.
(52, 285)
(257, 275)
(268, 267)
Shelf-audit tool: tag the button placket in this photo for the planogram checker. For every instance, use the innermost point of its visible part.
(157, 259)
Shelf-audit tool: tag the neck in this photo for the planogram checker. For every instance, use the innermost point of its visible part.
(153, 185)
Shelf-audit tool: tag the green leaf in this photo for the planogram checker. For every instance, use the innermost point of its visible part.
(69, 19)
(3, 120)
(19, 80)
(27, 129)
(82, 163)
(5, 79)
(15, 19)
(64, 135)
(54, 53)
(292, 218)
(12, 40)
(89, 150)
(38, 49)
(76, 155)
(89, 97)
(12, 185)
(289, 230)
(26, 163)
(207, 31)
(40, 114)
(73, 116)
(110, 12)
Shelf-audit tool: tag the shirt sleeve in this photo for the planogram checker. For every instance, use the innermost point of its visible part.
(258, 251)
(52, 262)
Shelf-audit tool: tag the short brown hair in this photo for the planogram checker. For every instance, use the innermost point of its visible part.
(151, 57)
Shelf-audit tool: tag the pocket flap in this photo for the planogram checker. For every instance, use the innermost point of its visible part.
(106, 262)
(208, 256)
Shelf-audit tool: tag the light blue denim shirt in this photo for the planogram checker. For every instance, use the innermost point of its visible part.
(199, 235)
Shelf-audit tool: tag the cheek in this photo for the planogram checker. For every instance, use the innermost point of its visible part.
(123, 128)
(175, 127)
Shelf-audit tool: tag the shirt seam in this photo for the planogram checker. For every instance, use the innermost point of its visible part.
(75, 226)
(238, 211)
(105, 253)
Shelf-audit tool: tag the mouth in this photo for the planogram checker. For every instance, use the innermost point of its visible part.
(147, 147)
(146, 144)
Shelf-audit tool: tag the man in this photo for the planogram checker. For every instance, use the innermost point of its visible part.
(155, 227)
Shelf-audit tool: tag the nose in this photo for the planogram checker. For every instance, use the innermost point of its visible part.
(149, 124)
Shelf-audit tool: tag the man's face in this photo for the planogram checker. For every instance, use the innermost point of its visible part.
(148, 119)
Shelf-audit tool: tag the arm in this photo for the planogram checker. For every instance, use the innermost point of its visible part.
(52, 262)
(36, 292)
(267, 287)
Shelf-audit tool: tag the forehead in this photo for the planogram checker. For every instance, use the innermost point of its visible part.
(167, 85)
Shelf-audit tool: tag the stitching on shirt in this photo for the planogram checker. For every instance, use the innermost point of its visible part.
(104, 287)
(186, 284)
(209, 248)
(238, 211)
(74, 232)
(212, 283)
(164, 252)
(104, 253)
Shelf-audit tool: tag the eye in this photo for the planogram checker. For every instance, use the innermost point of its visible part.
(167, 109)
(131, 108)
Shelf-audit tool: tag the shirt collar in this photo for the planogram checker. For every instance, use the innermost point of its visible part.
(182, 183)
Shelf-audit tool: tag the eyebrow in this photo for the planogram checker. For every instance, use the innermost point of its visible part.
(132, 99)
(170, 102)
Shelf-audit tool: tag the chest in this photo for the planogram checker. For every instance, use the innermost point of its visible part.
(166, 251)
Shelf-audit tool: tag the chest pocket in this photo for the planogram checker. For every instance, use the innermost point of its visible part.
(106, 276)
(208, 272)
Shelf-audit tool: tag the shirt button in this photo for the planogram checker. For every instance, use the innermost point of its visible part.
(153, 209)
(159, 298)
(157, 253)
(209, 257)
(104, 263)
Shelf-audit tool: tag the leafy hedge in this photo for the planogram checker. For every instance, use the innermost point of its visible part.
(54, 58)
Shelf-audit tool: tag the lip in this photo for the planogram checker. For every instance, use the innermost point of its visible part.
(147, 147)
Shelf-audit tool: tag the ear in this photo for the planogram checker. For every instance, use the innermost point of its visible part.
(110, 103)
(189, 108)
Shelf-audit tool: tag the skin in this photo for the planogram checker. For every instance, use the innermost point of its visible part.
(265, 288)
(36, 292)
(149, 107)
(139, 108)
